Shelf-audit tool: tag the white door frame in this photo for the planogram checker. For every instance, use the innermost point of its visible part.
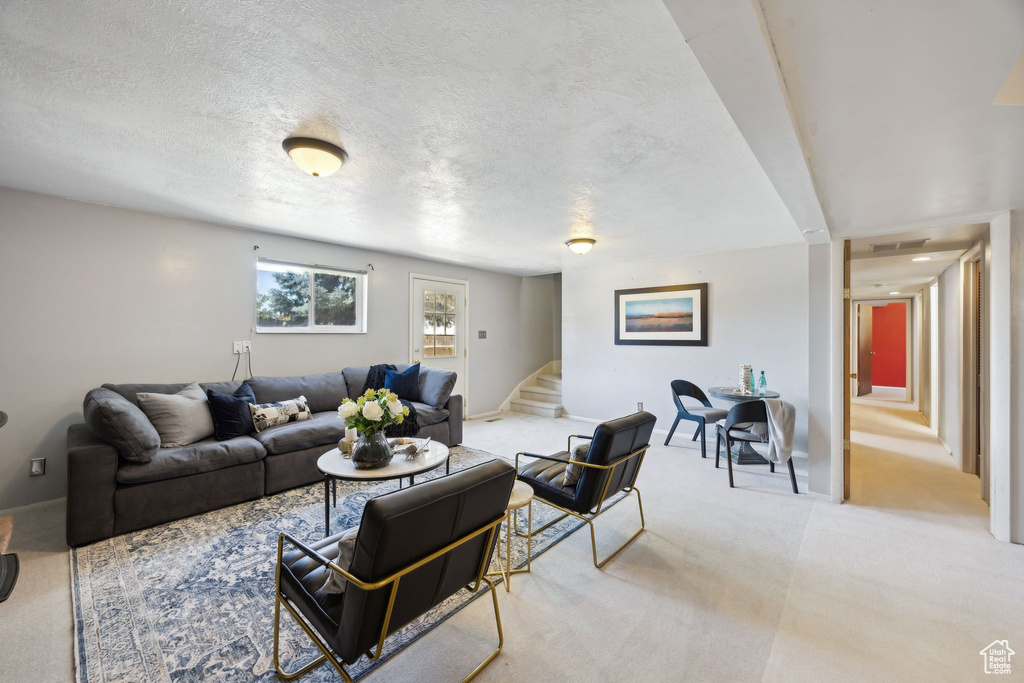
(412, 330)
(855, 334)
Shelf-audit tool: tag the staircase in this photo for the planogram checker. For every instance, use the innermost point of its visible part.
(543, 398)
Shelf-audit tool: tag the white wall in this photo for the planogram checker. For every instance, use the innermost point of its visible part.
(94, 294)
(758, 314)
(1013, 373)
(949, 360)
(819, 367)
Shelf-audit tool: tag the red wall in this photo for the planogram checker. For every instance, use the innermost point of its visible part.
(889, 342)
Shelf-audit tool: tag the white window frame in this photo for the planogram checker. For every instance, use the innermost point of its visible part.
(362, 285)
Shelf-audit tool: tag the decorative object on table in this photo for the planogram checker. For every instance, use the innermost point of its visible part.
(410, 448)
(348, 441)
(703, 414)
(612, 464)
(735, 426)
(376, 378)
(370, 415)
(9, 565)
(746, 385)
(676, 315)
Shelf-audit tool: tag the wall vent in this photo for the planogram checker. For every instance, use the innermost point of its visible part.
(897, 246)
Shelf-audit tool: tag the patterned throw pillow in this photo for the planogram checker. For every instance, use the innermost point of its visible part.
(267, 415)
(574, 472)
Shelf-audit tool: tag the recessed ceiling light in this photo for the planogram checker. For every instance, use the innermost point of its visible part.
(580, 245)
(813, 231)
(315, 157)
(922, 258)
(893, 293)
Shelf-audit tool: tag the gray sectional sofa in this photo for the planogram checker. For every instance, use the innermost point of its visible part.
(110, 494)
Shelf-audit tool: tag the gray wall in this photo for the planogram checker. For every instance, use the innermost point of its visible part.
(819, 368)
(949, 361)
(758, 314)
(94, 294)
(1015, 372)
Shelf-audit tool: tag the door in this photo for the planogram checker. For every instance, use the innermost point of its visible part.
(864, 352)
(439, 328)
(847, 377)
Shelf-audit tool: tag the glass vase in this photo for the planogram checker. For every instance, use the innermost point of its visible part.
(371, 452)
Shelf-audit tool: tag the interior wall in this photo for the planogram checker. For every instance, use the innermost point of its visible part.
(95, 294)
(889, 344)
(950, 428)
(1008, 366)
(819, 367)
(758, 313)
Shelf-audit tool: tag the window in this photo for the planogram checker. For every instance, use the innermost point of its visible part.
(295, 298)
(438, 325)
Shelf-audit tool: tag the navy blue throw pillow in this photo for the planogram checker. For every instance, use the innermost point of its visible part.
(231, 414)
(405, 384)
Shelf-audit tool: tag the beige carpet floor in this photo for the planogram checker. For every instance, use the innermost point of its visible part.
(904, 582)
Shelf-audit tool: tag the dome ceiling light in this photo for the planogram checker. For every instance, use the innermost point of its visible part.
(580, 245)
(316, 157)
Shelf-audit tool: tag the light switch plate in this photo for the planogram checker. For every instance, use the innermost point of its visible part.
(37, 467)
(639, 406)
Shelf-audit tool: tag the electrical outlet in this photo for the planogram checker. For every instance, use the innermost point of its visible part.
(639, 406)
(37, 467)
(242, 347)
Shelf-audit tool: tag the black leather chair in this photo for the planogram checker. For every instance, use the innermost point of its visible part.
(415, 548)
(611, 465)
(736, 428)
(702, 414)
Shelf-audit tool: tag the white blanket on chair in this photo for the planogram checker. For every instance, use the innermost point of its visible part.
(781, 425)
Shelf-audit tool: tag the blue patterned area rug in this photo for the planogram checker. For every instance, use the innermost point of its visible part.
(192, 600)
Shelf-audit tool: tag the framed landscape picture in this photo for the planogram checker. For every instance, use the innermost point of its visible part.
(662, 316)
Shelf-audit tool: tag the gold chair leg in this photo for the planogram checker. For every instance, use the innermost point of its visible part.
(324, 656)
(593, 539)
(501, 636)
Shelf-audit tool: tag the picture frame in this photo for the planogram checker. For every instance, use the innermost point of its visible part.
(675, 315)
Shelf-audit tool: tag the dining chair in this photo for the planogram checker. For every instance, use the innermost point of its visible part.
(736, 427)
(702, 414)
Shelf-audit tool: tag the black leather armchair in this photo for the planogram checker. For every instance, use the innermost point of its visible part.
(415, 548)
(611, 465)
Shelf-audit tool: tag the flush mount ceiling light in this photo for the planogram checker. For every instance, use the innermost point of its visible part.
(921, 258)
(893, 293)
(580, 245)
(315, 157)
(813, 231)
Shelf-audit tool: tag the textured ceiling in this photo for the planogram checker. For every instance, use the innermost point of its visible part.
(479, 133)
(894, 103)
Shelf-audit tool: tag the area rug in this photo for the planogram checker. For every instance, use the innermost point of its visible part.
(192, 600)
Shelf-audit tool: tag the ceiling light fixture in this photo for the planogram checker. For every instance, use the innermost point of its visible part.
(580, 245)
(893, 293)
(315, 157)
(921, 258)
(813, 231)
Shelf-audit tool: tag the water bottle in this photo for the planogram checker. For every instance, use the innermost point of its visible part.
(762, 385)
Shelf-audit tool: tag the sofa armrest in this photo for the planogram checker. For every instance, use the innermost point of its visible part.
(454, 408)
(92, 468)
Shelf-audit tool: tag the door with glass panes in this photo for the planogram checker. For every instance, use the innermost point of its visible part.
(439, 327)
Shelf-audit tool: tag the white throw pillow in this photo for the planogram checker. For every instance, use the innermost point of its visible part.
(267, 415)
(574, 472)
(346, 551)
(180, 419)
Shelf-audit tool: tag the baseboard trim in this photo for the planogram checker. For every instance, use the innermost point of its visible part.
(949, 451)
(33, 506)
(481, 416)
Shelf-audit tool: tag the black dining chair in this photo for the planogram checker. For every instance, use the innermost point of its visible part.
(737, 428)
(702, 414)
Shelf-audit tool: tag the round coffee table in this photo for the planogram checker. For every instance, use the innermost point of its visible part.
(336, 466)
(522, 496)
(745, 455)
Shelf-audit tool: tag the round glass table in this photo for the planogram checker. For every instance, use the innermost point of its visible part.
(336, 466)
(744, 455)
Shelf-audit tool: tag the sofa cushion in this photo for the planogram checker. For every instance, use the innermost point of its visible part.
(546, 477)
(436, 386)
(182, 418)
(203, 456)
(322, 430)
(231, 414)
(122, 424)
(322, 392)
(428, 415)
(355, 378)
(405, 384)
(131, 391)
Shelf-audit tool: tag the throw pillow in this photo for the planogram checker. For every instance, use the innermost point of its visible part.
(231, 414)
(122, 424)
(267, 415)
(406, 384)
(574, 472)
(346, 551)
(182, 418)
(437, 386)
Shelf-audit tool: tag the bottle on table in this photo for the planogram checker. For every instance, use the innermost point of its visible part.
(762, 385)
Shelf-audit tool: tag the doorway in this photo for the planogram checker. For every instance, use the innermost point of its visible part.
(975, 363)
(882, 368)
(438, 328)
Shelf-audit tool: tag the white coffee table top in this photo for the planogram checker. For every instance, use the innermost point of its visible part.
(335, 464)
